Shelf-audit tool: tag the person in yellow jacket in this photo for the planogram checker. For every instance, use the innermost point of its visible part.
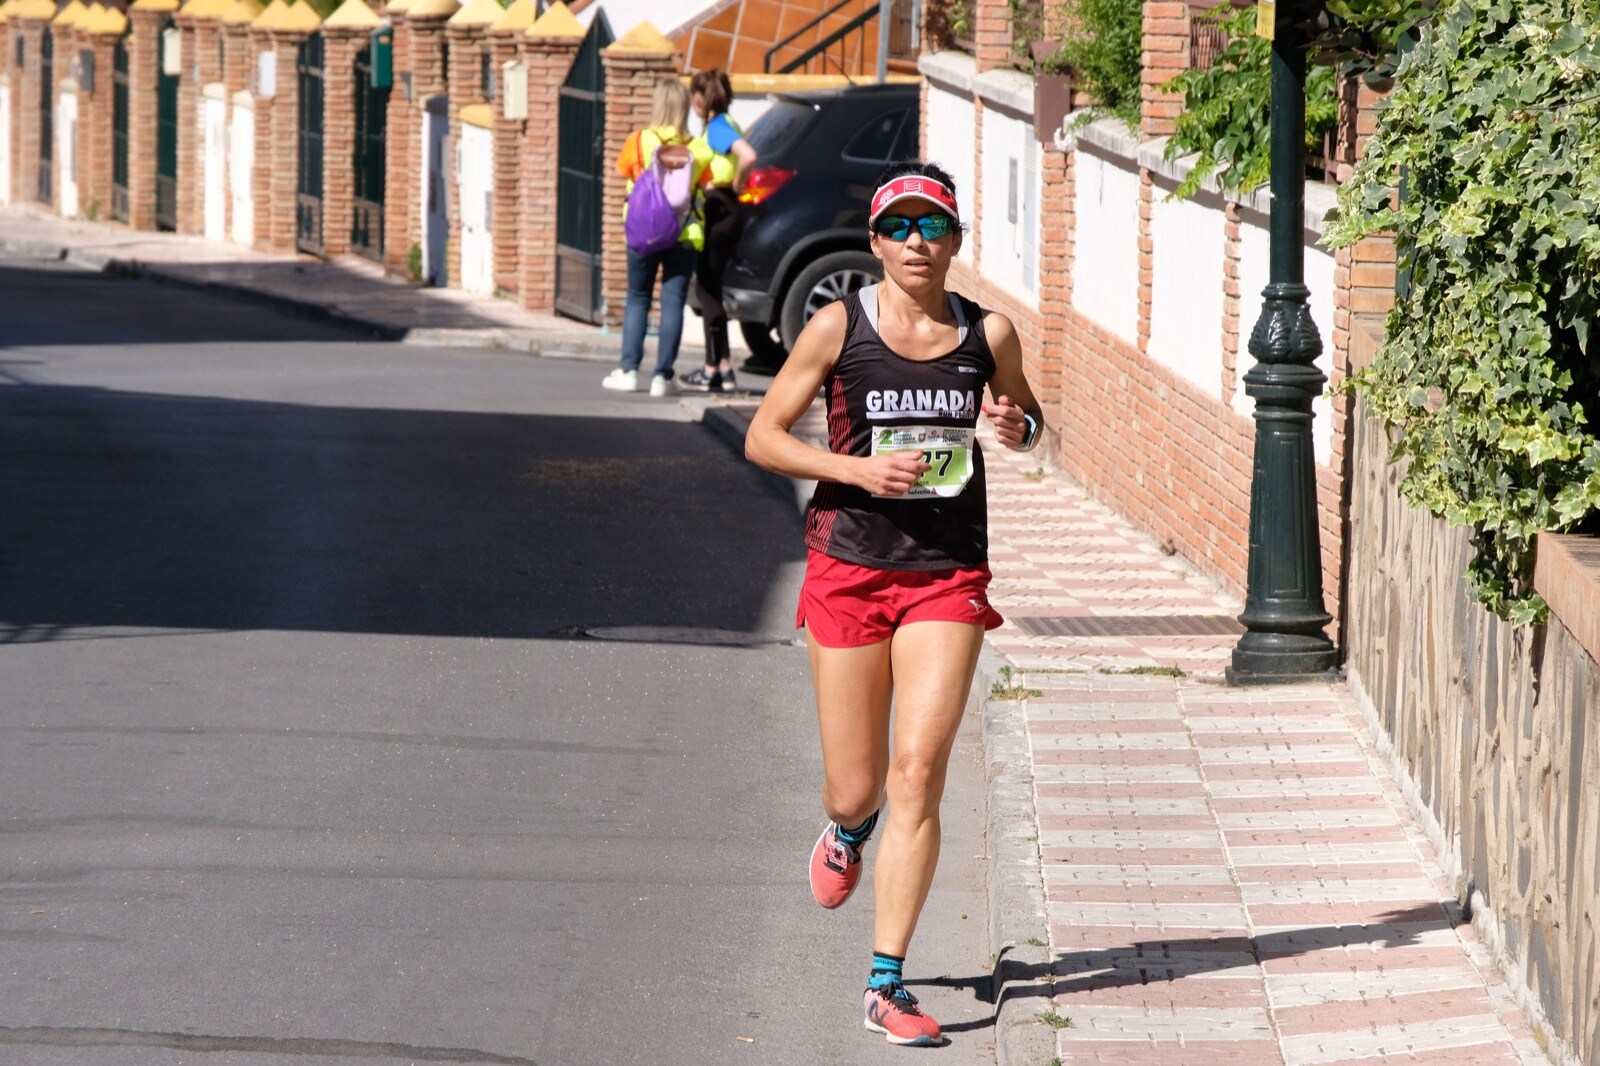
(726, 157)
(666, 134)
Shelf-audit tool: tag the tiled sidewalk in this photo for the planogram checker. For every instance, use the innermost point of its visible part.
(1230, 874)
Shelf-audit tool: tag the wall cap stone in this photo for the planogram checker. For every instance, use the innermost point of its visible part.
(516, 18)
(479, 115)
(397, 7)
(1113, 137)
(432, 9)
(269, 15)
(242, 13)
(42, 10)
(71, 15)
(477, 13)
(1566, 572)
(204, 9)
(951, 70)
(155, 5)
(557, 21)
(109, 23)
(643, 40)
(1006, 90)
(352, 15)
(298, 17)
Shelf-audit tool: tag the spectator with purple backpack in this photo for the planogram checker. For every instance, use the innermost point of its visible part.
(663, 236)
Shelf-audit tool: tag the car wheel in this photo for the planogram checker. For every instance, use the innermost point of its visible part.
(765, 349)
(831, 277)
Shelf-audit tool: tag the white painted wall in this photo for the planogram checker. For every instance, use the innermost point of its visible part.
(1105, 281)
(1186, 290)
(951, 140)
(241, 164)
(475, 175)
(1009, 256)
(214, 161)
(67, 151)
(5, 144)
(1254, 270)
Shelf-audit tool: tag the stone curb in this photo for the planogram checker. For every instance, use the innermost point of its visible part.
(1019, 931)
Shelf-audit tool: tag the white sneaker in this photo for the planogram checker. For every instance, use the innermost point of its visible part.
(661, 385)
(621, 380)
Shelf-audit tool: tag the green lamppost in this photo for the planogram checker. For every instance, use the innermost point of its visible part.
(1284, 615)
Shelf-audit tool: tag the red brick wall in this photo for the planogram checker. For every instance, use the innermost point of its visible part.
(144, 59)
(549, 60)
(1166, 55)
(25, 134)
(401, 160)
(95, 131)
(507, 192)
(339, 134)
(188, 132)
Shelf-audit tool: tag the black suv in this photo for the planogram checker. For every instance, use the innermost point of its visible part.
(805, 238)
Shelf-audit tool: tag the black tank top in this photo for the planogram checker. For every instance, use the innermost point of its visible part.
(878, 399)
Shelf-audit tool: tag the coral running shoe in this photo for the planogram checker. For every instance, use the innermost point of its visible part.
(835, 868)
(893, 1012)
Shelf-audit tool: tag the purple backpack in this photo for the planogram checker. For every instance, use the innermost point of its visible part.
(659, 205)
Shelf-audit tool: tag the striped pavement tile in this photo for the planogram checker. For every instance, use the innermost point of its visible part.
(1229, 877)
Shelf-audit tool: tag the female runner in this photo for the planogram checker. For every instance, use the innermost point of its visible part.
(895, 598)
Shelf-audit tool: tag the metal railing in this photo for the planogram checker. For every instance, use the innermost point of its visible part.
(901, 29)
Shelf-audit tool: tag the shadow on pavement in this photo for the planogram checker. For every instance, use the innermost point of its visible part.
(127, 509)
(1149, 962)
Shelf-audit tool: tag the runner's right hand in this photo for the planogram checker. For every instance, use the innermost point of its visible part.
(891, 474)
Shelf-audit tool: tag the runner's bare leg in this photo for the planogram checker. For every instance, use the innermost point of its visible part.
(932, 665)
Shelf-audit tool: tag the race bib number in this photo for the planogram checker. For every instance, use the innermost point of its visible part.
(946, 449)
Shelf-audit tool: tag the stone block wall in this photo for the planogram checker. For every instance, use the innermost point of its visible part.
(1488, 728)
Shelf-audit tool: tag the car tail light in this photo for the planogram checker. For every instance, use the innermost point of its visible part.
(763, 182)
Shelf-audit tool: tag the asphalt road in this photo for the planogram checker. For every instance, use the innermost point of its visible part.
(308, 749)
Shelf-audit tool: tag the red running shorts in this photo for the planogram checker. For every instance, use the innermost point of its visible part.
(846, 605)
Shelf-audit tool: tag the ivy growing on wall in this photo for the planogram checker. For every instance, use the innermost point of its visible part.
(1488, 372)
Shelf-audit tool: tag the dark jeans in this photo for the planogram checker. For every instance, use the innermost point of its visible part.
(724, 223)
(675, 265)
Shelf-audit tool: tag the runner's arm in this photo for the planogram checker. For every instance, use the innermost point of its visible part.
(1013, 398)
(770, 441)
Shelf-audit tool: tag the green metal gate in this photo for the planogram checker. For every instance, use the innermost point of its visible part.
(581, 176)
(166, 134)
(308, 189)
(372, 109)
(47, 133)
(119, 130)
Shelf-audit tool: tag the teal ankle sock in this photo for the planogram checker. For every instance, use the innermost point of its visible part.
(858, 836)
(885, 970)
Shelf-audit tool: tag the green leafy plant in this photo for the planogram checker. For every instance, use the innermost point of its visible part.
(1054, 1020)
(958, 18)
(414, 261)
(1102, 42)
(1488, 370)
(1227, 110)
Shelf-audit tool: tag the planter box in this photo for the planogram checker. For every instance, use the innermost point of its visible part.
(1052, 102)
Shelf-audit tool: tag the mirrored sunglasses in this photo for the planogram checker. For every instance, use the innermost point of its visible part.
(898, 227)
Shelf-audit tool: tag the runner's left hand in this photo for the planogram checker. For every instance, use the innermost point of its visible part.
(1009, 427)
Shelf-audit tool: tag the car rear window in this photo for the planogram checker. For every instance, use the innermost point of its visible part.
(875, 142)
(779, 126)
